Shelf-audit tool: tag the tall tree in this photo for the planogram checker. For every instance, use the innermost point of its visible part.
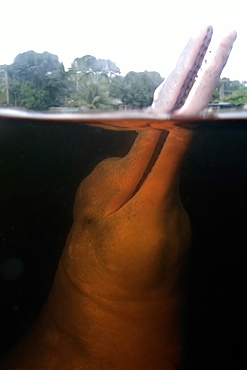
(85, 65)
(89, 82)
(4, 85)
(108, 67)
(36, 81)
(88, 64)
(136, 88)
(234, 92)
(92, 92)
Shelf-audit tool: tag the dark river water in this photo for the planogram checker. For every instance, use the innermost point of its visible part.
(42, 163)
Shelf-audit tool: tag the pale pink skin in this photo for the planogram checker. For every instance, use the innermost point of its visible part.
(116, 299)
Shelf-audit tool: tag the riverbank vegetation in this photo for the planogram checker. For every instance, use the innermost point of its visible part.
(38, 81)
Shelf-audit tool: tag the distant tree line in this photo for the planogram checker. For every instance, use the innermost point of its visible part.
(38, 81)
(234, 92)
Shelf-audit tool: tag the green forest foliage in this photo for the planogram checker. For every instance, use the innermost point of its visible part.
(233, 92)
(38, 81)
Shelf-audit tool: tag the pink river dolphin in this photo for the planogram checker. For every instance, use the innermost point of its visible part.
(117, 298)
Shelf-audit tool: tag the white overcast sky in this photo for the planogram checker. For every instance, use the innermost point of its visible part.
(136, 35)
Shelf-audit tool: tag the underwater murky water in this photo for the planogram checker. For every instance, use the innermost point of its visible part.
(42, 163)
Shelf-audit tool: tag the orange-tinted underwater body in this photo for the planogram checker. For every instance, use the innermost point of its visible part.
(116, 299)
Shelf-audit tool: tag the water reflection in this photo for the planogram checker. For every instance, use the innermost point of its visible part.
(132, 120)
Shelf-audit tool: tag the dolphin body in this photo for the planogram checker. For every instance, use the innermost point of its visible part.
(117, 296)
